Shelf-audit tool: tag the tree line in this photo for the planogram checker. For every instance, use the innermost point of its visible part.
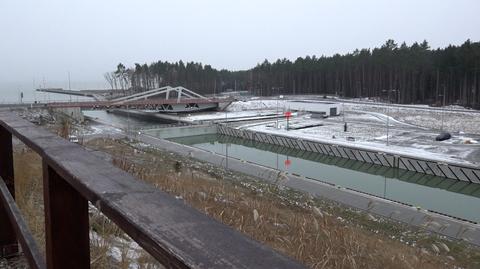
(398, 73)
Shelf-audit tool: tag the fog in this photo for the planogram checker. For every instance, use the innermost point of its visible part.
(47, 39)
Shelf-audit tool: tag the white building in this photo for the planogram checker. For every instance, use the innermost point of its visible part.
(317, 108)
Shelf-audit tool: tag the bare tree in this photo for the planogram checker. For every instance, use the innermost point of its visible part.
(110, 78)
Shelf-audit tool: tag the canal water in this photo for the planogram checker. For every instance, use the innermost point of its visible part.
(123, 122)
(447, 196)
(451, 197)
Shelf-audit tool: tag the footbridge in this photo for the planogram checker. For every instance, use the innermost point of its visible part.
(164, 99)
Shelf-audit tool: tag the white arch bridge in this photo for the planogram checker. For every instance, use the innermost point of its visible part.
(164, 99)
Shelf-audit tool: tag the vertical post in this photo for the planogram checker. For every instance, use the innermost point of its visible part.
(443, 107)
(276, 126)
(388, 112)
(66, 223)
(8, 240)
(388, 122)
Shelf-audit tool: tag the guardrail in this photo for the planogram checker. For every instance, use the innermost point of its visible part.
(177, 235)
(425, 166)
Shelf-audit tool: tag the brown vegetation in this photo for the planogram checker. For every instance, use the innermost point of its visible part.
(310, 231)
(317, 233)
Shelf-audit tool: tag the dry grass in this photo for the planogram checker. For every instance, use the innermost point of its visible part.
(308, 230)
(29, 191)
(104, 236)
(296, 227)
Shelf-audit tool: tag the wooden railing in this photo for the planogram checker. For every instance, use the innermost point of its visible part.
(177, 235)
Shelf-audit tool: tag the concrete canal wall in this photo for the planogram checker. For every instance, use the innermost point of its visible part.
(408, 214)
(190, 130)
(410, 163)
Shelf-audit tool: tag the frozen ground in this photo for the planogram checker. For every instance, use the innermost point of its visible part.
(229, 115)
(453, 121)
(411, 131)
(256, 104)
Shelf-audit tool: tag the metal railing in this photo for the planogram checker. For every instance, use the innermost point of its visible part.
(467, 173)
(175, 234)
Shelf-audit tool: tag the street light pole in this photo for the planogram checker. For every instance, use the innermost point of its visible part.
(128, 122)
(388, 117)
(388, 122)
(443, 107)
(276, 125)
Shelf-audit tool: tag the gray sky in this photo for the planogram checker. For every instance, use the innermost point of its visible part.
(89, 37)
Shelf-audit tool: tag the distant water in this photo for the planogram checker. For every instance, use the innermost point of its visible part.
(10, 91)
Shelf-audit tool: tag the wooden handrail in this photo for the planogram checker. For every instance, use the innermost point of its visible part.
(177, 235)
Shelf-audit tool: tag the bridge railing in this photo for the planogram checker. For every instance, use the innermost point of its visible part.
(177, 235)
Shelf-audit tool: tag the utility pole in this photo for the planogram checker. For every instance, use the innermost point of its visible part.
(278, 97)
(226, 144)
(388, 122)
(276, 126)
(293, 86)
(443, 107)
(388, 118)
(215, 88)
(128, 122)
(69, 86)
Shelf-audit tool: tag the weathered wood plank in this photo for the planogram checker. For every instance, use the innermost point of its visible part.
(174, 233)
(29, 246)
(8, 241)
(66, 223)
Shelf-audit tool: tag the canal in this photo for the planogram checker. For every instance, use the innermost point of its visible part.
(447, 196)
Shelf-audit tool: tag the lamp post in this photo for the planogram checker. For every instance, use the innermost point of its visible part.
(276, 125)
(388, 124)
(128, 122)
(388, 112)
(278, 97)
(443, 106)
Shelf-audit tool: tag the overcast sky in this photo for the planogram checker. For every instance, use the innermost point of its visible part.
(90, 37)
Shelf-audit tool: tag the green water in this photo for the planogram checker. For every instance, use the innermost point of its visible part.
(455, 198)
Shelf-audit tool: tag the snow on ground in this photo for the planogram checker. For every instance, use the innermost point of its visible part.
(411, 130)
(417, 115)
(372, 138)
(101, 129)
(257, 105)
(228, 115)
(453, 121)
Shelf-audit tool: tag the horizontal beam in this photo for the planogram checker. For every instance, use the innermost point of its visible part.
(141, 94)
(148, 102)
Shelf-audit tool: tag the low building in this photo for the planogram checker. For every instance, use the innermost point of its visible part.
(317, 108)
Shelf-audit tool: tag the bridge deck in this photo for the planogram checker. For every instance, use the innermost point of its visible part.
(136, 104)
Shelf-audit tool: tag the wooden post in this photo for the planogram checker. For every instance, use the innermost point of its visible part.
(8, 240)
(66, 223)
